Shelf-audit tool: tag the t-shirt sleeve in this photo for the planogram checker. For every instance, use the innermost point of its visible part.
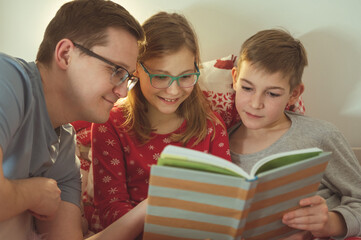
(12, 99)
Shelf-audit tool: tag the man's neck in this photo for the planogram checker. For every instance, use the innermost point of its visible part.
(52, 86)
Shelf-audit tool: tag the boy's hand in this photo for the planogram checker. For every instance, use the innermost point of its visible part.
(314, 216)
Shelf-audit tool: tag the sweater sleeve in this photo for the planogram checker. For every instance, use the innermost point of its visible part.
(341, 183)
(111, 197)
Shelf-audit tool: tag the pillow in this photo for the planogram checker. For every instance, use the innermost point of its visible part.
(216, 82)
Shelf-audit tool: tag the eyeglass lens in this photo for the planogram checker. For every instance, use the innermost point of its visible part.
(119, 76)
(164, 81)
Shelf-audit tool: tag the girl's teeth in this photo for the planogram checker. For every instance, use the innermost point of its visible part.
(169, 100)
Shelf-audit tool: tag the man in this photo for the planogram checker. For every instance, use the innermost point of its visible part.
(83, 66)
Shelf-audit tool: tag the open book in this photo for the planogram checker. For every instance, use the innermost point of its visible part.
(188, 158)
(195, 195)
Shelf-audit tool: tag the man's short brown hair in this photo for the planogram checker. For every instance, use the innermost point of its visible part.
(86, 22)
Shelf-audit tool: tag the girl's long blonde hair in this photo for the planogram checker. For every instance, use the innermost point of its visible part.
(167, 33)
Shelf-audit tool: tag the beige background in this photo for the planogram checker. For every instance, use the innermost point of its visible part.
(329, 29)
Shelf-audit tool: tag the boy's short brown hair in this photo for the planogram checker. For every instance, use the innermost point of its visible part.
(86, 22)
(275, 50)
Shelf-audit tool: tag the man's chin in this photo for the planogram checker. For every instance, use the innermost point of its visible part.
(100, 118)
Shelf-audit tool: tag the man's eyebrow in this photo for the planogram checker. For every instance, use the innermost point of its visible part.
(121, 64)
(126, 66)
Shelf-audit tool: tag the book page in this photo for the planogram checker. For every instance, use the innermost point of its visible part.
(193, 159)
(282, 159)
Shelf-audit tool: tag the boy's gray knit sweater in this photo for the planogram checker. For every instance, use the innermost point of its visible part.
(341, 184)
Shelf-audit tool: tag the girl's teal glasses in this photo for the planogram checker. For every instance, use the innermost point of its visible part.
(162, 81)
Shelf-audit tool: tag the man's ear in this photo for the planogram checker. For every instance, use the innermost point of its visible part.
(63, 53)
(296, 93)
(234, 77)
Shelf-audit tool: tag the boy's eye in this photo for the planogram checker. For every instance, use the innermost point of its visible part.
(271, 94)
(247, 89)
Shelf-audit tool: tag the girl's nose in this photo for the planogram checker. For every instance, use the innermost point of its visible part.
(173, 89)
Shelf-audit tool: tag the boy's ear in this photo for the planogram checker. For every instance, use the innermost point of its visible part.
(234, 77)
(296, 93)
(63, 53)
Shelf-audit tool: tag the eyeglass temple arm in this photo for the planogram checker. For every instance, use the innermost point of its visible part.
(90, 53)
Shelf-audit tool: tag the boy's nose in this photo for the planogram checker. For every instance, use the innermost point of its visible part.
(257, 101)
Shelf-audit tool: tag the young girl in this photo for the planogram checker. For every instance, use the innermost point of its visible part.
(165, 107)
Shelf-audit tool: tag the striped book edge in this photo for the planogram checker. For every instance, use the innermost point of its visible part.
(189, 204)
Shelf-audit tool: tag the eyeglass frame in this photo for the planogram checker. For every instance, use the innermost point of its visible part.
(173, 78)
(128, 76)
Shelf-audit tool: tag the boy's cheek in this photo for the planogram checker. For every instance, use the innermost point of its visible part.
(239, 100)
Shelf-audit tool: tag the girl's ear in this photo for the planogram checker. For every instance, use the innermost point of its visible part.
(296, 93)
(136, 73)
(62, 55)
(234, 77)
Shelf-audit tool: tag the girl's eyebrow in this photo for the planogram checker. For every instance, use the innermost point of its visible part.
(168, 73)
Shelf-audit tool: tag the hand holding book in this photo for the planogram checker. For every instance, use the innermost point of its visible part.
(194, 195)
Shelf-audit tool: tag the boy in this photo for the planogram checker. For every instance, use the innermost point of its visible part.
(83, 66)
(268, 77)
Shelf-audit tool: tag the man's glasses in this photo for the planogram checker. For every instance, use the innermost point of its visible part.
(162, 81)
(119, 75)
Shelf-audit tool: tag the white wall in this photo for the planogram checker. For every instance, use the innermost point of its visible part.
(329, 29)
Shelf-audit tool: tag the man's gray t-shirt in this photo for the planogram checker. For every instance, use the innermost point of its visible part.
(31, 147)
